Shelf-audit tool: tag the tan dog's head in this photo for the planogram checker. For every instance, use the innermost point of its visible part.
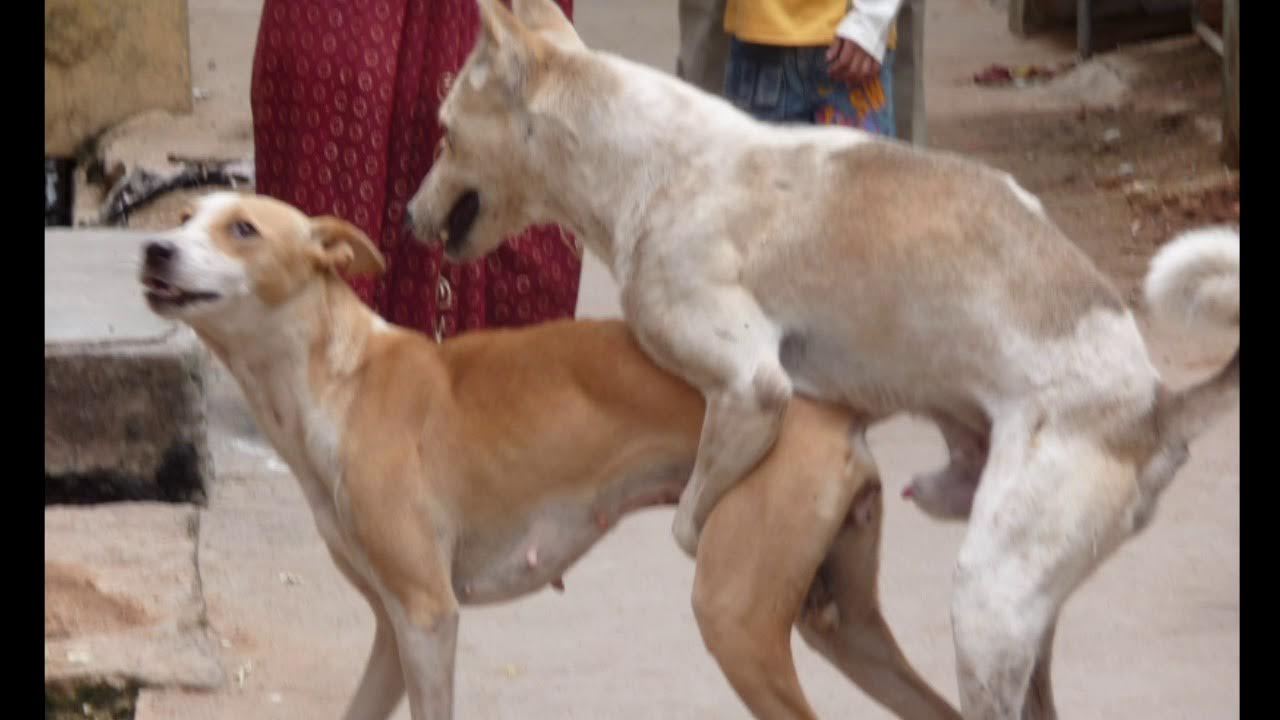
(498, 137)
(236, 257)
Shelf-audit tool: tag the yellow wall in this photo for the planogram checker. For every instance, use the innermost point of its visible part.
(107, 61)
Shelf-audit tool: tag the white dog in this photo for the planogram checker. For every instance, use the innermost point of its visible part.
(756, 259)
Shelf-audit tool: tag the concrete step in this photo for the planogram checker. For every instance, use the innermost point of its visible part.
(125, 408)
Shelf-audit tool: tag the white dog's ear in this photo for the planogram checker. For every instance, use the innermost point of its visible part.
(547, 19)
(509, 50)
(343, 246)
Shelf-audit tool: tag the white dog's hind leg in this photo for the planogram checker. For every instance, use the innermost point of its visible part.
(1049, 509)
(719, 340)
(1039, 703)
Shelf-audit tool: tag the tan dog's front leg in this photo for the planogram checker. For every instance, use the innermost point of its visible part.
(427, 644)
(719, 340)
(759, 552)
(382, 684)
(412, 577)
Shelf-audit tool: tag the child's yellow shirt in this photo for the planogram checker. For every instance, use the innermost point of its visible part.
(789, 23)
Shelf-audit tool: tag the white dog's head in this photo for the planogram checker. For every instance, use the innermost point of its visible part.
(499, 136)
(236, 257)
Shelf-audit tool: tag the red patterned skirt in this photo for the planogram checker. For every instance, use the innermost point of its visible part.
(344, 97)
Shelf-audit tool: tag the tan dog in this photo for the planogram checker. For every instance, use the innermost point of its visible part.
(756, 258)
(481, 469)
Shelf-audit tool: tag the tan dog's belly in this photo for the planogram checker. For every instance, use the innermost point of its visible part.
(512, 555)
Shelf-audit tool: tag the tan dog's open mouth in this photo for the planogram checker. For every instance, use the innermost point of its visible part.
(461, 217)
(160, 293)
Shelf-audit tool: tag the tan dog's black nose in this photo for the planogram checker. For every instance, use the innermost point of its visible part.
(158, 252)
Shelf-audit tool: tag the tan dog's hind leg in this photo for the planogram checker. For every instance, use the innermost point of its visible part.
(382, 684)
(759, 552)
(844, 623)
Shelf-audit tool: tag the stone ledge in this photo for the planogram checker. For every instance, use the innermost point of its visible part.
(123, 598)
(125, 401)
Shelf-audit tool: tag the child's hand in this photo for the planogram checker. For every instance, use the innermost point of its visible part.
(848, 63)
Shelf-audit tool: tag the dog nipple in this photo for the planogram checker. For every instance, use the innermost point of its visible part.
(531, 557)
(558, 584)
(602, 520)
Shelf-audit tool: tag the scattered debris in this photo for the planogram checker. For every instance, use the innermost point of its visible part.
(1021, 76)
(275, 698)
(1116, 178)
(58, 191)
(95, 700)
(1111, 136)
(242, 673)
(288, 578)
(199, 93)
(140, 187)
(1162, 209)
(511, 670)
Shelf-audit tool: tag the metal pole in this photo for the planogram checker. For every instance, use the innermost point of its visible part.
(1231, 86)
(1084, 28)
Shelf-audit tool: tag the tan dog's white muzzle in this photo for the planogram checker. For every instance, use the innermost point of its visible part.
(424, 230)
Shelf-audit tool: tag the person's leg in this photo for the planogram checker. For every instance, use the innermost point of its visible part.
(908, 74)
(767, 82)
(704, 46)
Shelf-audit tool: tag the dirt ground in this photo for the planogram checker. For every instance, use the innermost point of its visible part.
(1122, 176)
(1123, 151)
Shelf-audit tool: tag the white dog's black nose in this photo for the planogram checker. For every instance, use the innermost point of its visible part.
(158, 252)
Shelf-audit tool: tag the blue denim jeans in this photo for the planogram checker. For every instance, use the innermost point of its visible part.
(791, 85)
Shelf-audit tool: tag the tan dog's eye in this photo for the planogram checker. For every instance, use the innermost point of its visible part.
(243, 230)
(184, 217)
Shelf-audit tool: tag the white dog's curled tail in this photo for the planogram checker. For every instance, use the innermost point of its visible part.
(1194, 284)
(1194, 281)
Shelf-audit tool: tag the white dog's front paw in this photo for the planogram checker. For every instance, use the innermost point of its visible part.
(686, 533)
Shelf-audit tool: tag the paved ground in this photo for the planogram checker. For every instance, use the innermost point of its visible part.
(1154, 635)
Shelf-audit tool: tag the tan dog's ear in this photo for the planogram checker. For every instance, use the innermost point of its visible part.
(510, 51)
(343, 246)
(546, 18)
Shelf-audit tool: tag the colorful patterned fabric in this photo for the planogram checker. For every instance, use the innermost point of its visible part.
(781, 84)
